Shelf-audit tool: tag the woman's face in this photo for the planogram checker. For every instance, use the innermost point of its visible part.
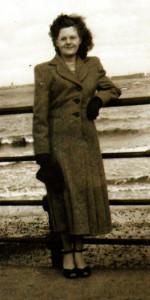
(68, 41)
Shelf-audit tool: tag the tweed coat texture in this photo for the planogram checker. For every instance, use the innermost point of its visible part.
(61, 127)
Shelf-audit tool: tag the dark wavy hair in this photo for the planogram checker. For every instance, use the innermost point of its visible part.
(84, 33)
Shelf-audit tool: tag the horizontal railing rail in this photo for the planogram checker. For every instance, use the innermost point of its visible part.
(120, 102)
(104, 155)
(90, 241)
(115, 202)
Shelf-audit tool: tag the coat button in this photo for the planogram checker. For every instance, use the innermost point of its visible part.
(76, 100)
(79, 88)
(76, 114)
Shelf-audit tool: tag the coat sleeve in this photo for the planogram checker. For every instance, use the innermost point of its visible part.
(106, 90)
(40, 113)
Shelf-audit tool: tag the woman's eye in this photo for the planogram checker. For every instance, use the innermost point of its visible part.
(64, 38)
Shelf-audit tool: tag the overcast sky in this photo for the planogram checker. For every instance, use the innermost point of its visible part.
(121, 31)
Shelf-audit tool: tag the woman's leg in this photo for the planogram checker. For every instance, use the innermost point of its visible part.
(78, 256)
(73, 261)
(82, 269)
(68, 258)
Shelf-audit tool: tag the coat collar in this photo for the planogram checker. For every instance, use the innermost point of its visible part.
(65, 72)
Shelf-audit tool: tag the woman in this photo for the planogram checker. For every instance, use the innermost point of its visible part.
(69, 91)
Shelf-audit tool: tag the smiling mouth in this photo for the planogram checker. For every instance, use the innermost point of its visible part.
(69, 47)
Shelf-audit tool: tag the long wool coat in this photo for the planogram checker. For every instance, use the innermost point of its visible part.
(61, 127)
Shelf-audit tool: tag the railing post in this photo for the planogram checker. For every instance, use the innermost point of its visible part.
(54, 244)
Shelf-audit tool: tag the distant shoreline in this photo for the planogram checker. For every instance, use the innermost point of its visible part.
(13, 86)
(134, 76)
(117, 77)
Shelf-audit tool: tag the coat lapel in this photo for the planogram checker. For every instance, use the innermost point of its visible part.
(64, 71)
(81, 69)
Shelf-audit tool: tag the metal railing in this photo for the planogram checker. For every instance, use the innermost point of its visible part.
(138, 202)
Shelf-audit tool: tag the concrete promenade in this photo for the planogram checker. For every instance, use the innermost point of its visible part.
(45, 283)
(120, 272)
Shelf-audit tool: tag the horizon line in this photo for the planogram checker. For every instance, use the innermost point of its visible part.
(133, 75)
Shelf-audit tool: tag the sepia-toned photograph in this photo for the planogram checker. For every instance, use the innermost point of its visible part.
(75, 150)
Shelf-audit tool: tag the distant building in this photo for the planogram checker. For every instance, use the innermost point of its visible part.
(12, 85)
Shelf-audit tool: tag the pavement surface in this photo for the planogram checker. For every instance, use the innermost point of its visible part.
(31, 283)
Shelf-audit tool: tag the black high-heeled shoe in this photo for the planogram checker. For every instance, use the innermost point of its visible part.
(69, 273)
(83, 272)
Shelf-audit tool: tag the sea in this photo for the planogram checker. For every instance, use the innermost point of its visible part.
(120, 129)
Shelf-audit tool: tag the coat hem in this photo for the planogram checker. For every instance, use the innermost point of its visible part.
(105, 230)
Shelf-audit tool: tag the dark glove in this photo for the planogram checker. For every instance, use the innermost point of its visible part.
(50, 172)
(44, 160)
(93, 108)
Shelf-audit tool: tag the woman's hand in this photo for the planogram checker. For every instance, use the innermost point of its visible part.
(93, 108)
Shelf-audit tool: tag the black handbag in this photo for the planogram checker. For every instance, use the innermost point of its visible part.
(52, 177)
